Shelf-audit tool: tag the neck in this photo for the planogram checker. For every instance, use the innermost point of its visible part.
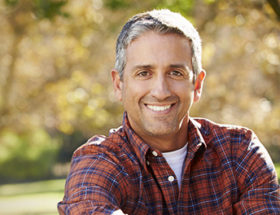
(169, 142)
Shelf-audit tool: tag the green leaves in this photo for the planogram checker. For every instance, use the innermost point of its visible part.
(49, 8)
(117, 4)
(11, 3)
(58, 70)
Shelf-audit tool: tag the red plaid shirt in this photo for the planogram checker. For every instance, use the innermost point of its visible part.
(226, 171)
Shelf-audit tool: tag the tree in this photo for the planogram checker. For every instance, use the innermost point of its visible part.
(57, 56)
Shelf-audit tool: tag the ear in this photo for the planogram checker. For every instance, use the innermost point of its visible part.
(117, 84)
(199, 85)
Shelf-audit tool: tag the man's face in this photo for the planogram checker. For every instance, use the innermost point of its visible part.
(157, 89)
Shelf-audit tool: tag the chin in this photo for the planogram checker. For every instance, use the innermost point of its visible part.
(161, 131)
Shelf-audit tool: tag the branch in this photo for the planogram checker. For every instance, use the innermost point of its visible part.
(275, 5)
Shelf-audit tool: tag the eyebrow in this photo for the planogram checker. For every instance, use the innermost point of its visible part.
(182, 66)
(143, 67)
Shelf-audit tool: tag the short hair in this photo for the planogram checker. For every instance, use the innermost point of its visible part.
(161, 21)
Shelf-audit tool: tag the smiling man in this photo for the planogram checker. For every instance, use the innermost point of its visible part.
(162, 161)
(157, 88)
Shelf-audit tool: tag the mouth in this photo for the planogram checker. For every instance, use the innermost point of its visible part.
(159, 108)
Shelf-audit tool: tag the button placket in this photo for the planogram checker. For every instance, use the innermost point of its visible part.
(155, 153)
(171, 178)
(164, 176)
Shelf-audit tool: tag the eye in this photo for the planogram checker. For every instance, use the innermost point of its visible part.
(143, 74)
(176, 73)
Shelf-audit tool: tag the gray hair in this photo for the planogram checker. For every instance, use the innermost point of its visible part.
(161, 21)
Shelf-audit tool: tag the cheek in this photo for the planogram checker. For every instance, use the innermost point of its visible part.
(185, 95)
(137, 89)
(130, 95)
(182, 89)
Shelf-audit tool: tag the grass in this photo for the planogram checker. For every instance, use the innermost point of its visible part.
(38, 197)
(277, 166)
(31, 198)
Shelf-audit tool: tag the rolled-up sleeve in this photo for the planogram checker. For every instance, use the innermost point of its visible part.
(95, 185)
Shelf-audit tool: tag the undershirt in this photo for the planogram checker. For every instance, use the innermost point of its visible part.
(176, 159)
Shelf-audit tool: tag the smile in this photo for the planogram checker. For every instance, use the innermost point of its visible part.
(158, 108)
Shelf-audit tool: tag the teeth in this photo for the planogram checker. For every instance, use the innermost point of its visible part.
(158, 108)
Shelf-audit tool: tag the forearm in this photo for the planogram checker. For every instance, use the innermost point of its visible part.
(94, 186)
(257, 181)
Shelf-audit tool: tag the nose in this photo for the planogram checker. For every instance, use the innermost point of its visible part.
(160, 88)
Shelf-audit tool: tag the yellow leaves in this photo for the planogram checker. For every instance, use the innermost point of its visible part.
(97, 4)
(97, 88)
(101, 118)
(79, 99)
(89, 111)
(62, 65)
(79, 95)
(271, 41)
(271, 54)
(273, 59)
(275, 124)
(209, 1)
(66, 128)
(86, 11)
(239, 19)
(79, 77)
(208, 52)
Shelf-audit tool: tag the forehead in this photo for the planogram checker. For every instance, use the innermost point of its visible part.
(145, 34)
(154, 46)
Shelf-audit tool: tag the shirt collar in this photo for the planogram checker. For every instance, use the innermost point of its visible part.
(140, 147)
(195, 136)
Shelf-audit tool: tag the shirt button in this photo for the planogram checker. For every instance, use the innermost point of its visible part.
(148, 163)
(155, 153)
(171, 178)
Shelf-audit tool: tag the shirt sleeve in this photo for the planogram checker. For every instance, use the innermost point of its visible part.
(256, 179)
(95, 185)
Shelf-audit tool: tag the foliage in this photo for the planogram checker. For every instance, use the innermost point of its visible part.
(182, 6)
(11, 3)
(30, 155)
(49, 9)
(117, 4)
(69, 144)
(56, 58)
(277, 167)
(242, 60)
(41, 8)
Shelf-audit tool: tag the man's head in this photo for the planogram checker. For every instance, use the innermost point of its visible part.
(163, 22)
(158, 75)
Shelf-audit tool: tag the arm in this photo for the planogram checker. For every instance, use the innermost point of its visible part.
(95, 185)
(256, 179)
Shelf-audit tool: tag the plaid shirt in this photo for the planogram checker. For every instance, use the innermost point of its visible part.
(226, 171)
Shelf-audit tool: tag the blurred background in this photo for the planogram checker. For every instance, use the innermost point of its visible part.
(55, 85)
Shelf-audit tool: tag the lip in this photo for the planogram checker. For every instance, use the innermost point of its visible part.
(160, 108)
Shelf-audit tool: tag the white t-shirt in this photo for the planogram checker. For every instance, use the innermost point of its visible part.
(176, 159)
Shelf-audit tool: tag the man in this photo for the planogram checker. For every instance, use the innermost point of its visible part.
(162, 161)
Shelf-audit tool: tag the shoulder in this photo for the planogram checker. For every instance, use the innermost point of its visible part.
(235, 142)
(227, 140)
(99, 157)
(106, 155)
(97, 170)
(223, 131)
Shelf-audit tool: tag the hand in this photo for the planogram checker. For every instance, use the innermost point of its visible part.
(118, 212)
